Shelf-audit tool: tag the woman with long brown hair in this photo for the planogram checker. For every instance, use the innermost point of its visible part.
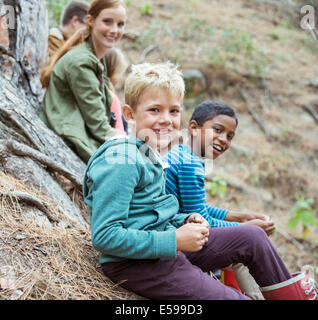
(77, 101)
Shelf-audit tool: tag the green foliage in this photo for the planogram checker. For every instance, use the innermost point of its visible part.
(149, 36)
(217, 186)
(194, 29)
(274, 35)
(309, 43)
(145, 9)
(238, 41)
(238, 48)
(55, 8)
(216, 58)
(304, 214)
(129, 2)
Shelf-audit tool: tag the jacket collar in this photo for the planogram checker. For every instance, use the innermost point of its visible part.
(143, 147)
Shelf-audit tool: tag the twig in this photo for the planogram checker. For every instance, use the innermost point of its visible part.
(291, 239)
(147, 51)
(264, 97)
(28, 198)
(255, 116)
(23, 150)
(260, 123)
(312, 112)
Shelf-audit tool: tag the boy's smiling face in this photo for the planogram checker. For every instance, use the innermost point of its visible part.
(156, 118)
(214, 137)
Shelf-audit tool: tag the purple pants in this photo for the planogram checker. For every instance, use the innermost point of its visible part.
(185, 277)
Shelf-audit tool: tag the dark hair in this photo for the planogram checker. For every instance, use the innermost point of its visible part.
(73, 9)
(208, 110)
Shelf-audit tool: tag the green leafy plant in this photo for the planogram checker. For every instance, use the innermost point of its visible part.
(304, 214)
(217, 186)
(145, 8)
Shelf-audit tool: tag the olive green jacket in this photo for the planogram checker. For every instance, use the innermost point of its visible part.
(76, 105)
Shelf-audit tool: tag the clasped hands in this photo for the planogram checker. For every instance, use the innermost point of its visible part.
(194, 234)
(257, 219)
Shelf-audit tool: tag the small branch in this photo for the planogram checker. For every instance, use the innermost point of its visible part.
(290, 239)
(147, 51)
(29, 199)
(256, 117)
(312, 112)
(23, 150)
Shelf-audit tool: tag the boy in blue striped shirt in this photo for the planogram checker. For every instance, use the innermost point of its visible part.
(211, 128)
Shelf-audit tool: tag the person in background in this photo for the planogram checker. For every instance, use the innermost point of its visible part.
(116, 64)
(77, 102)
(72, 18)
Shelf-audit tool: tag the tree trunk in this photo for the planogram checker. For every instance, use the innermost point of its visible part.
(30, 151)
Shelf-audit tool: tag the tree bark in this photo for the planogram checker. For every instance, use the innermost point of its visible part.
(30, 151)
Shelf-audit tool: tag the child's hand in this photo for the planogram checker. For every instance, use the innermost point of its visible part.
(197, 218)
(267, 226)
(252, 216)
(191, 237)
(244, 217)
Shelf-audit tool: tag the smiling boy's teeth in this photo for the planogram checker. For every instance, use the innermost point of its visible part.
(217, 148)
(163, 131)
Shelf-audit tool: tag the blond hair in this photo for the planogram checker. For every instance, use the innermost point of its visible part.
(78, 37)
(153, 75)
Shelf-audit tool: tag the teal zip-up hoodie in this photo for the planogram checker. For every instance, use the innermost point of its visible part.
(132, 217)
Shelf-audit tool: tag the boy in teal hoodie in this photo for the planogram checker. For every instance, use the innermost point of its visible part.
(146, 245)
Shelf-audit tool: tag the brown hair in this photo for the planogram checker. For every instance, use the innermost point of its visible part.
(73, 9)
(78, 37)
(116, 63)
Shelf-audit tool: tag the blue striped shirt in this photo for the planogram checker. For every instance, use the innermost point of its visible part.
(185, 179)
